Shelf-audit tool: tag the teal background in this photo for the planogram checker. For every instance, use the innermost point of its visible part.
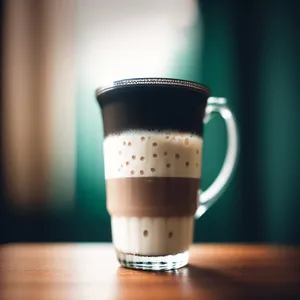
(248, 52)
(248, 55)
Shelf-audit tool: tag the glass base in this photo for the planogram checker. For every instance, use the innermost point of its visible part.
(153, 263)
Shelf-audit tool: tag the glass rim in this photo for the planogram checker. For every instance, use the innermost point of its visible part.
(154, 81)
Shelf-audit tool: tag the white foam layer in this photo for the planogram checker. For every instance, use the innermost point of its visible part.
(152, 236)
(152, 154)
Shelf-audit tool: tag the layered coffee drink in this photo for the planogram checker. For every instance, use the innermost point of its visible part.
(153, 129)
(152, 180)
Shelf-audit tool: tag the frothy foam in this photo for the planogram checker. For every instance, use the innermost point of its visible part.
(152, 154)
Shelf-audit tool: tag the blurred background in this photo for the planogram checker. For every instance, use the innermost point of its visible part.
(54, 54)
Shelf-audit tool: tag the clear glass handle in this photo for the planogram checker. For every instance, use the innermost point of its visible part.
(209, 196)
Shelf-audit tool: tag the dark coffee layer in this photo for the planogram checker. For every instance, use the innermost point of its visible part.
(152, 196)
(153, 108)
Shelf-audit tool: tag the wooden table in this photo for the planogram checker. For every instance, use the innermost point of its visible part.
(90, 271)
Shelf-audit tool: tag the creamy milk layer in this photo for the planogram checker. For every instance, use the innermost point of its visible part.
(152, 236)
(152, 154)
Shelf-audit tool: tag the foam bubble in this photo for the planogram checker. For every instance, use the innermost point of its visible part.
(152, 154)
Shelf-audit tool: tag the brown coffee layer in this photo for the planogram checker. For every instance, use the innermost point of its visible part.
(152, 196)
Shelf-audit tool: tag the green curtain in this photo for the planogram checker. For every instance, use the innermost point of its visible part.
(247, 52)
(279, 92)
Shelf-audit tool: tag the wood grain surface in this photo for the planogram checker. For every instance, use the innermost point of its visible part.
(90, 271)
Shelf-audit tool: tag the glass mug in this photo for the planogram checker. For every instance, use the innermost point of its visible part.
(153, 130)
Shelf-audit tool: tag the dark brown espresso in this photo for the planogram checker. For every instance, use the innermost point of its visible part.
(152, 196)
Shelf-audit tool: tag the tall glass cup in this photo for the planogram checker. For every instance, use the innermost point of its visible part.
(153, 145)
